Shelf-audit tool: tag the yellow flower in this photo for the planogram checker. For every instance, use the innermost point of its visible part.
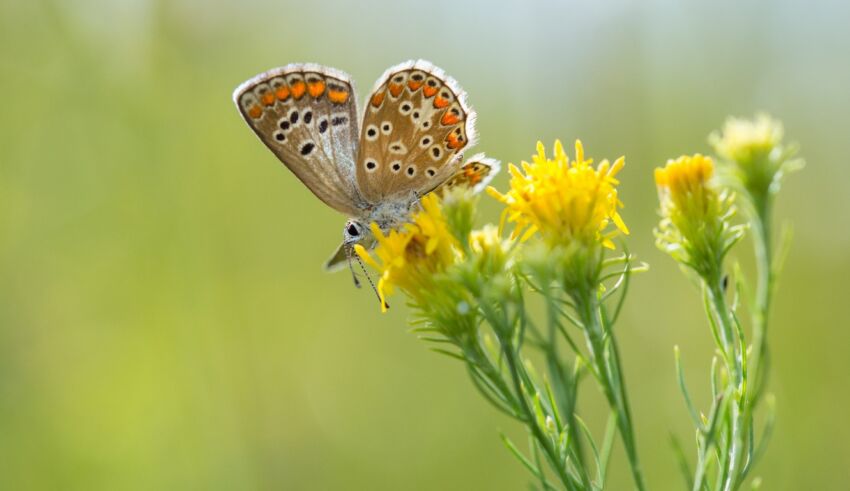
(754, 156)
(485, 240)
(745, 141)
(683, 188)
(489, 250)
(564, 201)
(409, 258)
(695, 226)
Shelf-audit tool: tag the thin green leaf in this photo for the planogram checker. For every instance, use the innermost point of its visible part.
(535, 452)
(589, 438)
(682, 461)
(448, 353)
(491, 393)
(522, 458)
(607, 447)
(680, 375)
(627, 280)
(781, 253)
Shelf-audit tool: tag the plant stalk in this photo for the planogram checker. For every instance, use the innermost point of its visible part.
(607, 365)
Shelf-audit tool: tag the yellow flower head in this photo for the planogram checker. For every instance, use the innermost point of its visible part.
(408, 258)
(754, 156)
(746, 141)
(489, 250)
(683, 187)
(564, 201)
(695, 225)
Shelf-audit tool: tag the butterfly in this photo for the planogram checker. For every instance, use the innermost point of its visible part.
(374, 166)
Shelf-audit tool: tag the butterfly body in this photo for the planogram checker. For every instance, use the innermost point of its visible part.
(374, 165)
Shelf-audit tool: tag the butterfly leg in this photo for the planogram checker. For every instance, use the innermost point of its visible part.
(417, 201)
(348, 254)
(365, 273)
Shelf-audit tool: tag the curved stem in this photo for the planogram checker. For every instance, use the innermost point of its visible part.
(763, 248)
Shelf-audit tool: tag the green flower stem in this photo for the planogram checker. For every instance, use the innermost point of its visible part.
(723, 318)
(763, 247)
(560, 381)
(517, 371)
(739, 408)
(607, 364)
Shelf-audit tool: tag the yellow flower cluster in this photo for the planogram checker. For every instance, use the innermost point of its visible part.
(489, 250)
(408, 258)
(683, 188)
(695, 226)
(564, 201)
(746, 141)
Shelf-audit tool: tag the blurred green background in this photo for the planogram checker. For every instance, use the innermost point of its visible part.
(164, 322)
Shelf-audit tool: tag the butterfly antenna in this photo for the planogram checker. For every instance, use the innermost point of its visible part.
(369, 278)
(348, 251)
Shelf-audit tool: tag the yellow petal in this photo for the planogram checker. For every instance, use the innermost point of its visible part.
(365, 256)
(620, 224)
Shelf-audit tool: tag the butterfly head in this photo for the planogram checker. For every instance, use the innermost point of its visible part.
(355, 232)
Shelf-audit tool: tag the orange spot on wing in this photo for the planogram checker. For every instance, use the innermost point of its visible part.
(395, 89)
(378, 98)
(440, 103)
(449, 119)
(298, 89)
(316, 88)
(267, 99)
(282, 92)
(453, 142)
(429, 91)
(337, 96)
(255, 111)
(474, 177)
(414, 85)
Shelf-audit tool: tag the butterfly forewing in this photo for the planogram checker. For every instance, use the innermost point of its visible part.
(415, 124)
(306, 114)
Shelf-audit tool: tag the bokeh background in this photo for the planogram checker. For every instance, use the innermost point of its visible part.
(164, 323)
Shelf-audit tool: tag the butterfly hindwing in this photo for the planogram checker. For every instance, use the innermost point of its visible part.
(476, 173)
(307, 115)
(415, 124)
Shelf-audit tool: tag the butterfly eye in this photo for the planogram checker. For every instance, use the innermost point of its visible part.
(353, 230)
